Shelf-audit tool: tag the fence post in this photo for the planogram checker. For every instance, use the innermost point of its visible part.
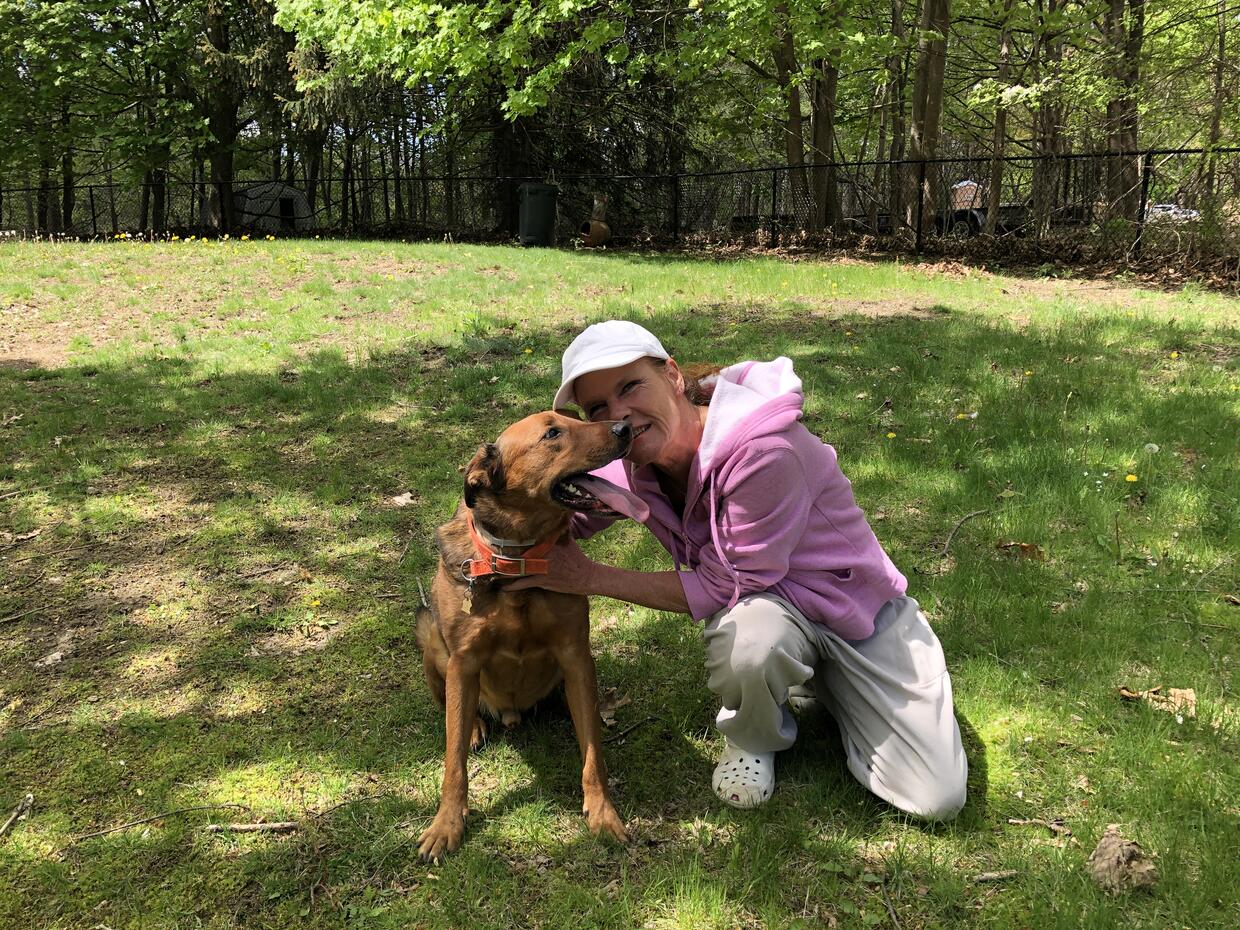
(1146, 169)
(94, 228)
(921, 202)
(675, 208)
(774, 206)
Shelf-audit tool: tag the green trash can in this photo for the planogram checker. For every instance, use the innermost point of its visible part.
(537, 215)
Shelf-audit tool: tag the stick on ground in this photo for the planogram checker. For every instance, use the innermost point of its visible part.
(955, 529)
(283, 826)
(135, 823)
(26, 803)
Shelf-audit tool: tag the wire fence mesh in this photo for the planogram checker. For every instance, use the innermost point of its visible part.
(1169, 203)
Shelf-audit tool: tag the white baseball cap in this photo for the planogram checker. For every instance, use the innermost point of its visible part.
(602, 346)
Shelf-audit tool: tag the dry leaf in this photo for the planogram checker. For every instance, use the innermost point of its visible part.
(1118, 864)
(1007, 493)
(1023, 550)
(608, 704)
(1232, 600)
(1082, 784)
(1174, 700)
(401, 500)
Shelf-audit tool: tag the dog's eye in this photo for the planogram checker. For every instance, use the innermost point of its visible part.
(552, 433)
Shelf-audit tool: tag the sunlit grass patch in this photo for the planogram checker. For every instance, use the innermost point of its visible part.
(235, 481)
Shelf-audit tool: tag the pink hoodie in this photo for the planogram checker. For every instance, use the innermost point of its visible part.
(767, 509)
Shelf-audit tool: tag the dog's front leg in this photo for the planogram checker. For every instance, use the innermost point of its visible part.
(444, 834)
(581, 689)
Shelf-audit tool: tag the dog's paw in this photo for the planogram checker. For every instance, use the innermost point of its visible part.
(478, 735)
(443, 836)
(603, 819)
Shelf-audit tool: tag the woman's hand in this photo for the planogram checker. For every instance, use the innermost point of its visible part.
(569, 571)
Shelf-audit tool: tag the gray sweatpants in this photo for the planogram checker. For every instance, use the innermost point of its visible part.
(890, 694)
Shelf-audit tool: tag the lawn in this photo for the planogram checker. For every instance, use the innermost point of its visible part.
(220, 468)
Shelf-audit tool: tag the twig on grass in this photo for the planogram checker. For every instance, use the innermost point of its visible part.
(25, 804)
(890, 910)
(7, 494)
(24, 613)
(135, 823)
(955, 529)
(29, 584)
(262, 571)
(627, 730)
(282, 826)
(40, 715)
(89, 545)
(365, 797)
(999, 876)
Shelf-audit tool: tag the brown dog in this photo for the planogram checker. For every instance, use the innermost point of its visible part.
(484, 648)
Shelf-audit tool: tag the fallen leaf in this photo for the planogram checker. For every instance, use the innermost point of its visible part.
(1173, 700)
(1118, 864)
(1007, 493)
(609, 703)
(1082, 784)
(1232, 600)
(1023, 550)
(401, 500)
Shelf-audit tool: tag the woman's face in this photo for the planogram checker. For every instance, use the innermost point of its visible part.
(666, 427)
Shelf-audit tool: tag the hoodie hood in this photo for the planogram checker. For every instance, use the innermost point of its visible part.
(750, 399)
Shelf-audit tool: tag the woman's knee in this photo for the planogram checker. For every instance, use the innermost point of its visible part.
(755, 639)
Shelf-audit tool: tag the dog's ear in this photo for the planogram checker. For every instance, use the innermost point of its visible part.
(568, 412)
(483, 473)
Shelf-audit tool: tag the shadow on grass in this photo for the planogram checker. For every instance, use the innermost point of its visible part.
(226, 518)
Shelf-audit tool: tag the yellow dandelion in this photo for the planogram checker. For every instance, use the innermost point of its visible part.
(891, 435)
(1175, 354)
(271, 238)
(1028, 373)
(245, 238)
(962, 416)
(529, 351)
(1130, 478)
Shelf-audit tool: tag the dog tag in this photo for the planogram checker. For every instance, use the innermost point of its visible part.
(467, 602)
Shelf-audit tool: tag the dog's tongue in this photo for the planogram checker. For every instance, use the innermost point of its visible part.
(614, 497)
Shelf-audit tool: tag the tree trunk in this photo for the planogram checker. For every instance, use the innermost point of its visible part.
(1046, 64)
(994, 190)
(223, 127)
(1126, 32)
(793, 134)
(923, 134)
(826, 195)
(1216, 112)
(66, 171)
(44, 201)
(397, 130)
(144, 205)
(896, 77)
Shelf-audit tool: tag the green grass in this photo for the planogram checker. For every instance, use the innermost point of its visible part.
(209, 439)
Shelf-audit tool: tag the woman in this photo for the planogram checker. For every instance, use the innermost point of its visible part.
(777, 559)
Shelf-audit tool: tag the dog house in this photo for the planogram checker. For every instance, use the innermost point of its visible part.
(273, 207)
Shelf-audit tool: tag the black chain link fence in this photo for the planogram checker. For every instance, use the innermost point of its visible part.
(1073, 207)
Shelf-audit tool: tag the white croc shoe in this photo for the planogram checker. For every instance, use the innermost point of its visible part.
(744, 779)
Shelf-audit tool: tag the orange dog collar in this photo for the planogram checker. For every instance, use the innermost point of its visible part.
(489, 563)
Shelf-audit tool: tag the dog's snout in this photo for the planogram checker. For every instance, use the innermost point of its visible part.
(622, 430)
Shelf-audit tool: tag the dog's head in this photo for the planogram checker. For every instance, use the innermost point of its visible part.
(529, 471)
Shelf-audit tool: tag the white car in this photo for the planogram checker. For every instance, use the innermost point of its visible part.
(1170, 213)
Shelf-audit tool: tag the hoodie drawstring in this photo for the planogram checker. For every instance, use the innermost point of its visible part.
(714, 536)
